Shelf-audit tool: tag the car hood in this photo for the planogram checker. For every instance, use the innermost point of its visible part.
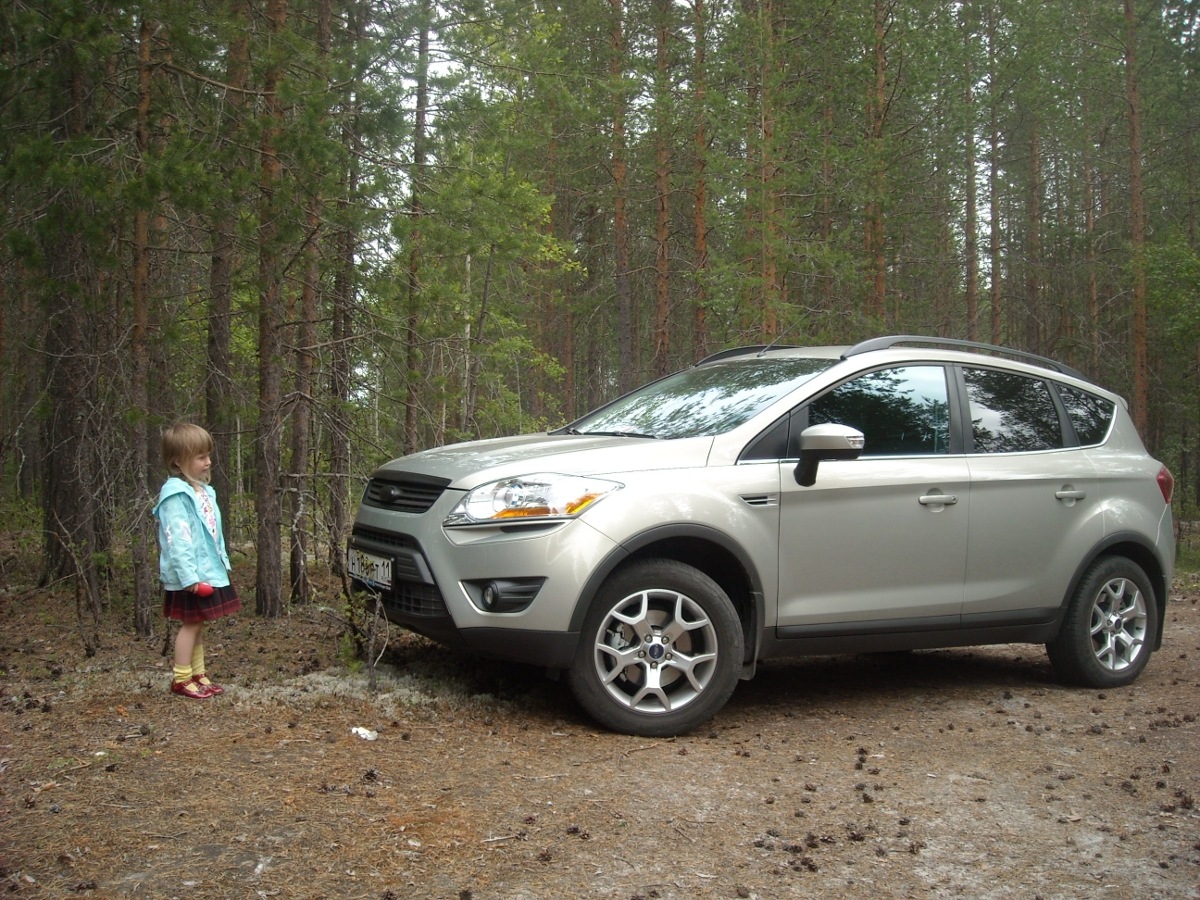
(471, 464)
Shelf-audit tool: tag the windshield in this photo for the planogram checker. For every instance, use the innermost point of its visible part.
(701, 401)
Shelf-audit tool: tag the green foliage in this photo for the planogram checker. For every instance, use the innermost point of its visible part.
(1173, 276)
(495, 309)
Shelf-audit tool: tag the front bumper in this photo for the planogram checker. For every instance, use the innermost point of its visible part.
(438, 575)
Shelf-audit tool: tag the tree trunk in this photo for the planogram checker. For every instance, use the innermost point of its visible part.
(306, 344)
(627, 376)
(662, 196)
(342, 325)
(269, 600)
(971, 212)
(995, 224)
(768, 173)
(1140, 400)
(876, 116)
(299, 494)
(1092, 263)
(220, 417)
(72, 515)
(416, 211)
(700, 200)
(1034, 332)
(139, 399)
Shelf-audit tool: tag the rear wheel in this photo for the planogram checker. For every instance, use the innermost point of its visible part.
(660, 652)
(1108, 633)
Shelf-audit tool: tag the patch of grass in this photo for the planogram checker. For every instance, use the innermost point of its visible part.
(1187, 560)
(1187, 548)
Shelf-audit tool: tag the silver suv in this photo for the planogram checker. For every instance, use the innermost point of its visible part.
(903, 493)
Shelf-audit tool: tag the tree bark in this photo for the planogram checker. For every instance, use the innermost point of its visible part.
(342, 314)
(73, 521)
(416, 210)
(1034, 313)
(626, 377)
(700, 200)
(995, 223)
(306, 342)
(139, 399)
(768, 174)
(662, 196)
(269, 600)
(219, 414)
(971, 210)
(1140, 399)
(876, 117)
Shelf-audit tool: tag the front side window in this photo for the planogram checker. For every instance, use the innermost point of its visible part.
(901, 412)
(1011, 413)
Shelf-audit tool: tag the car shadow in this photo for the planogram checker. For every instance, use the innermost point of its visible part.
(844, 682)
(806, 685)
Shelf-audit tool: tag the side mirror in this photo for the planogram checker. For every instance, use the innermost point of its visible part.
(820, 442)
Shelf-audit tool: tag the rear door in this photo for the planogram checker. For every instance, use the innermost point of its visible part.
(1035, 504)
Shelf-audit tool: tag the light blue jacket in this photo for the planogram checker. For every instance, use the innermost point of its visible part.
(187, 552)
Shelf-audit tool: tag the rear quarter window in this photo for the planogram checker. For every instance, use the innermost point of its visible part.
(1011, 413)
(1090, 416)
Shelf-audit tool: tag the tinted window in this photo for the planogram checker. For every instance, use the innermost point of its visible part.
(901, 412)
(704, 400)
(1011, 413)
(1089, 414)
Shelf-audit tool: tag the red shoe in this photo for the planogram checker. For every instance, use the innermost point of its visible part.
(211, 686)
(191, 689)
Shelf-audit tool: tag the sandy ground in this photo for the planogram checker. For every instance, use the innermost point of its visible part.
(966, 773)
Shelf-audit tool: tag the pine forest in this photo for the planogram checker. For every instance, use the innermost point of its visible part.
(337, 231)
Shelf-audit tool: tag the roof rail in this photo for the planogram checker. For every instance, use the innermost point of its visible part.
(883, 343)
(740, 351)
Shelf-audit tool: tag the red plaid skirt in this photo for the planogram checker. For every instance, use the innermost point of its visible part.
(187, 607)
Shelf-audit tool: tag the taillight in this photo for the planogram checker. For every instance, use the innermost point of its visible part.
(1166, 483)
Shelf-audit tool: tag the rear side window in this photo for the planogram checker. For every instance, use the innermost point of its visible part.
(1011, 413)
(1090, 415)
(901, 412)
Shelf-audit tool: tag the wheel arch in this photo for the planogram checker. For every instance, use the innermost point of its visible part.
(1135, 548)
(710, 551)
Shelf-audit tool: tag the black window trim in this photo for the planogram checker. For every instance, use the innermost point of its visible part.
(1070, 440)
(962, 441)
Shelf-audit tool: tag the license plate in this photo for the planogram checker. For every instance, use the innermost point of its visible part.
(374, 570)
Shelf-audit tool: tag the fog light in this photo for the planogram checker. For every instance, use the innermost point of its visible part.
(503, 595)
(490, 598)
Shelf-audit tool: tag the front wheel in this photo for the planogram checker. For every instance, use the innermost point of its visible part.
(1108, 633)
(660, 651)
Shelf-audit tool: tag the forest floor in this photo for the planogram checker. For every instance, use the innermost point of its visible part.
(961, 773)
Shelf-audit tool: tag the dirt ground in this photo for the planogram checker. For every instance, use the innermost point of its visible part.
(965, 773)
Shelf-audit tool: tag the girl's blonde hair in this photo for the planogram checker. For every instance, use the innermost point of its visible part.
(183, 442)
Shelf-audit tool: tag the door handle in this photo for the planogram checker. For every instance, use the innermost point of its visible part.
(1070, 495)
(937, 499)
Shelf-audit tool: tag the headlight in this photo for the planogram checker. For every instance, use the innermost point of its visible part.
(540, 496)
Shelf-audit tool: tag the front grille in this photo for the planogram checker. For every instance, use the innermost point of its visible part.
(407, 599)
(404, 493)
(392, 543)
(414, 591)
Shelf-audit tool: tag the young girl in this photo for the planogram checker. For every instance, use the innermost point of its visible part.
(193, 565)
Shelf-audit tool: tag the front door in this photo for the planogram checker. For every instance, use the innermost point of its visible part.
(882, 538)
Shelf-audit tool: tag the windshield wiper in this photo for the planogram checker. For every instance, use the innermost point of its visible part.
(611, 433)
(617, 433)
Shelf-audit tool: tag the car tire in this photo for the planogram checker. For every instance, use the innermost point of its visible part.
(1109, 630)
(660, 651)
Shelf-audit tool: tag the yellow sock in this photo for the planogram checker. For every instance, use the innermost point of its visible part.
(182, 674)
(198, 662)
